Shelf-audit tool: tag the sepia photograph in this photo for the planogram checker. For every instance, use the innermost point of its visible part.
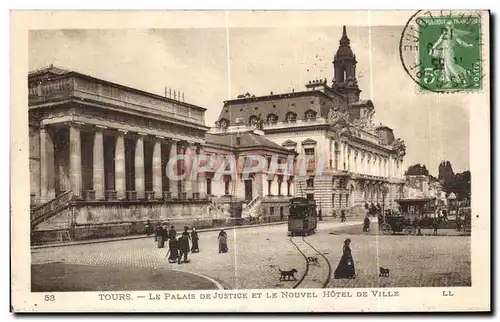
(338, 158)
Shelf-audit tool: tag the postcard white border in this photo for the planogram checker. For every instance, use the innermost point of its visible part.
(476, 297)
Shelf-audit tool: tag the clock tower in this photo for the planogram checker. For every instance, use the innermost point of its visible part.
(344, 66)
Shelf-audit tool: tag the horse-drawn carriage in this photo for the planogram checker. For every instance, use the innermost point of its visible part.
(415, 214)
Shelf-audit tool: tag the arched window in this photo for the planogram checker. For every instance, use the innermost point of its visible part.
(253, 120)
(272, 118)
(310, 115)
(291, 117)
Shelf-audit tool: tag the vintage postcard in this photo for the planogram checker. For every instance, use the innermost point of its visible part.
(250, 161)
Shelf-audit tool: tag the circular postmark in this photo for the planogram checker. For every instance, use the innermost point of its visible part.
(441, 50)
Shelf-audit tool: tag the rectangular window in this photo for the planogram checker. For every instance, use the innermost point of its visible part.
(333, 200)
(209, 186)
(226, 187)
(271, 211)
(310, 183)
(340, 200)
(288, 186)
(309, 151)
(279, 186)
(310, 196)
(269, 182)
(268, 162)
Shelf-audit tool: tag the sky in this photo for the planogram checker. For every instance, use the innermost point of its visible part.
(211, 65)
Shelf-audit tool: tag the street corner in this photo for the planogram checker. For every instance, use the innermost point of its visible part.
(60, 277)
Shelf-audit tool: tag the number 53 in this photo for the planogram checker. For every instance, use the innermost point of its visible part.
(49, 297)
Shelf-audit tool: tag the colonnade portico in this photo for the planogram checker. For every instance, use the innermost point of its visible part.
(349, 157)
(101, 163)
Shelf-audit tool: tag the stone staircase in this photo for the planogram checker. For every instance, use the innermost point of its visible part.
(252, 207)
(219, 210)
(51, 208)
(236, 208)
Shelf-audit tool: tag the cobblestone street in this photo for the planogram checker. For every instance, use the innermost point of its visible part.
(255, 255)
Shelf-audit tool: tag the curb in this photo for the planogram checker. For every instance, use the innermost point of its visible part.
(124, 238)
(217, 284)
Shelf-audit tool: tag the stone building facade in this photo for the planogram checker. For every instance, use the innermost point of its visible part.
(99, 158)
(361, 163)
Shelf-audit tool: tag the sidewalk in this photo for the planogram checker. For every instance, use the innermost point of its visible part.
(113, 239)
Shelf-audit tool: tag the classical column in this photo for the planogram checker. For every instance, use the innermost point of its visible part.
(341, 156)
(157, 182)
(202, 186)
(199, 179)
(47, 188)
(189, 184)
(368, 160)
(98, 164)
(120, 165)
(173, 184)
(351, 161)
(139, 166)
(75, 162)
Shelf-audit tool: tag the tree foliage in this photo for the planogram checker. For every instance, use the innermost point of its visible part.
(417, 169)
(458, 183)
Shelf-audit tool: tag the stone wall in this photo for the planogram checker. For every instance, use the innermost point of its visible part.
(113, 219)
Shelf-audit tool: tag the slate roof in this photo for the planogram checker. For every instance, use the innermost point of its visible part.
(247, 141)
(279, 105)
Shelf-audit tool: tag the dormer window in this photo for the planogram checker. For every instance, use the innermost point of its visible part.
(272, 118)
(310, 115)
(291, 117)
(223, 123)
(253, 120)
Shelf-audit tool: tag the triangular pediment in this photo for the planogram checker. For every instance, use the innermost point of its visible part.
(309, 142)
(289, 143)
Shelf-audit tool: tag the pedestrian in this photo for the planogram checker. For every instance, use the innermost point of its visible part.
(320, 215)
(334, 214)
(222, 241)
(366, 224)
(161, 238)
(173, 250)
(458, 223)
(345, 268)
(172, 234)
(342, 216)
(435, 224)
(194, 239)
(158, 231)
(416, 222)
(183, 244)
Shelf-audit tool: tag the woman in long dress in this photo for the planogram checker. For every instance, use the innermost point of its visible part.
(173, 252)
(444, 51)
(222, 241)
(346, 269)
(194, 240)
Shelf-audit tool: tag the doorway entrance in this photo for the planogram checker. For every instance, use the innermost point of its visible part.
(248, 190)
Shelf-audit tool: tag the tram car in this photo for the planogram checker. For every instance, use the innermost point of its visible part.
(303, 218)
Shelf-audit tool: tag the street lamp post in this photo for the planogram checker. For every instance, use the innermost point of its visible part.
(385, 190)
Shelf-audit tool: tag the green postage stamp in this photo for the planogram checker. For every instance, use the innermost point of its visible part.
(450, 53)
